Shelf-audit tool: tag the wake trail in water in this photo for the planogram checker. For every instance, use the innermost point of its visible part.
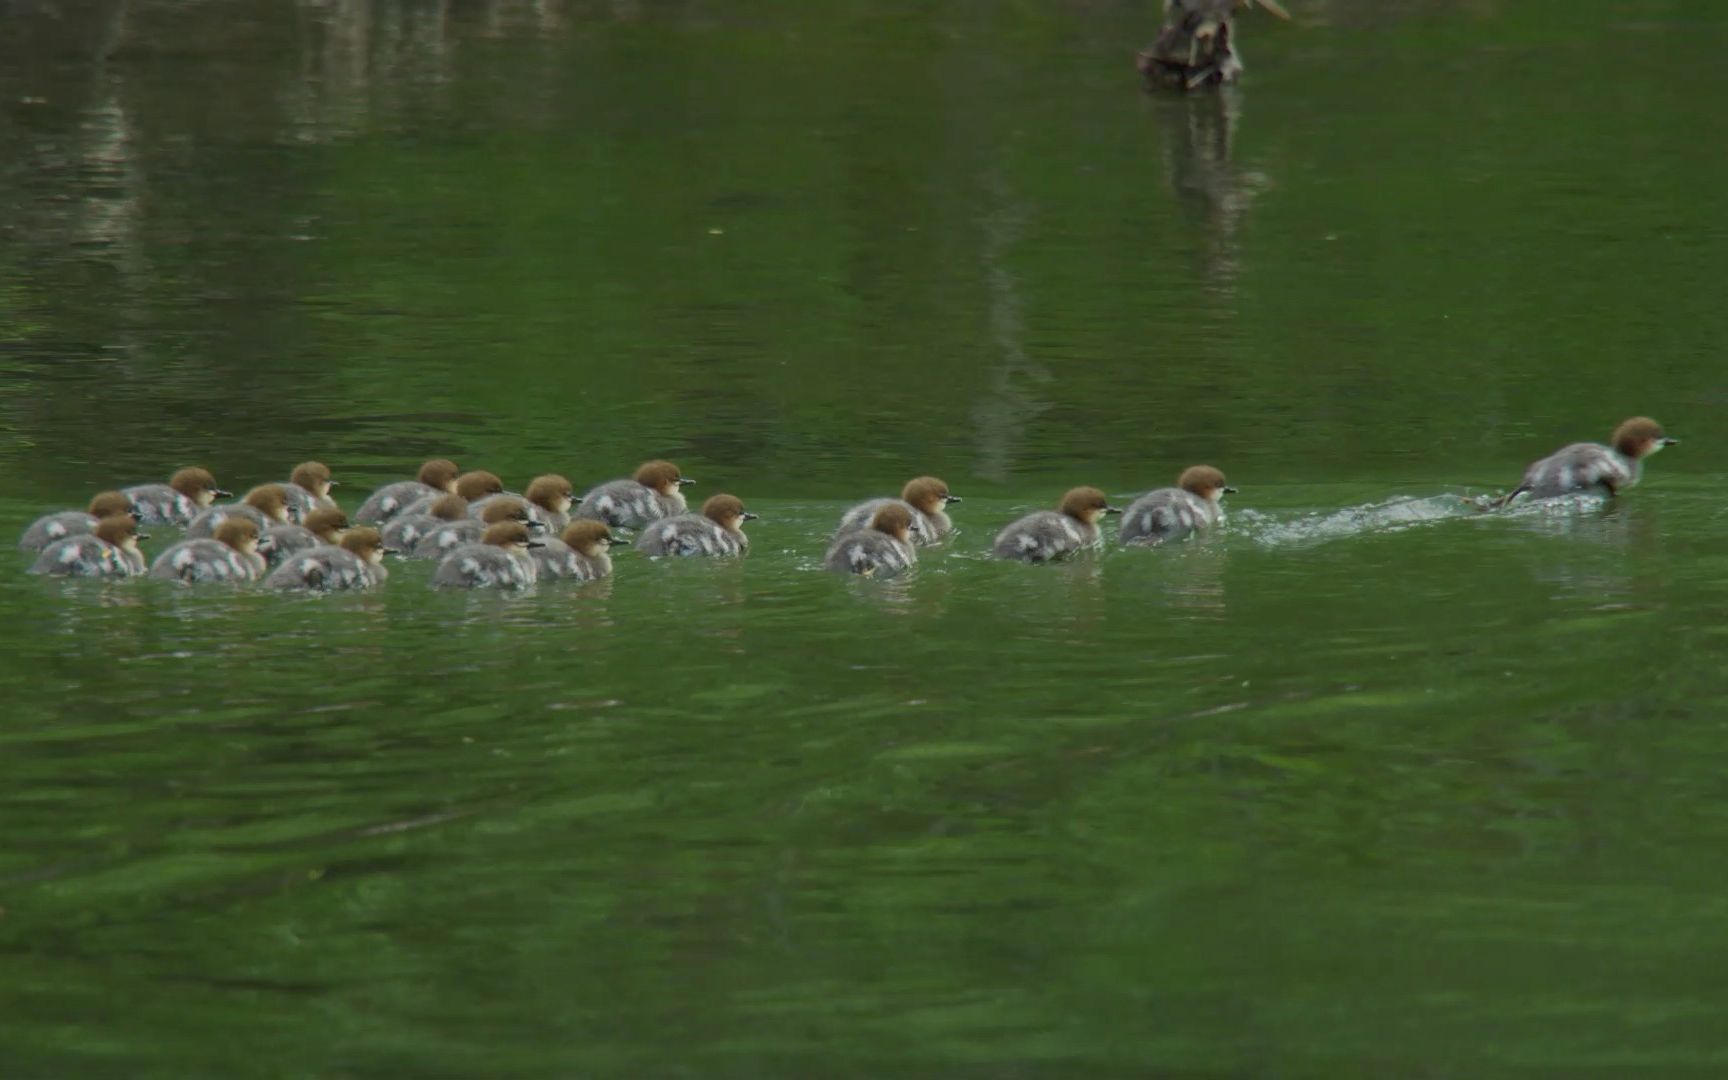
(1390, 515)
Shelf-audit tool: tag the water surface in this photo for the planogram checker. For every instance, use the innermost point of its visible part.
(1366, 785)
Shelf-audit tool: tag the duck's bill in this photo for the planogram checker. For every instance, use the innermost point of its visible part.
(748, 516)
(1274, 7)
(685, 481)
(1229, 490)
(1112, 509)
(1670, 442)
(536, 543)
(952, 498)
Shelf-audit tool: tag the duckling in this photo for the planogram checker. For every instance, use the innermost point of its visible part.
(356, 563)
(652, 494)
(178, 501)
(264, 506)
(717, 530)
(58, 526)
(1055, 534)
(111, 550)
(322, 526)
(404, 531)
(548, 498)
(476, 487)
(436, 477)
(582, 552)
(502, 560)
(1174, 513)
(882, 549)
(308, 489)
(1585, 467)
(925, 496)
(231, 556)
(440, 541)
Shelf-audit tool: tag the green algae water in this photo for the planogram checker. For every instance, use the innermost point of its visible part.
(1366, 784)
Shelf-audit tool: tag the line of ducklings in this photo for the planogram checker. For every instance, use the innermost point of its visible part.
(293, 536)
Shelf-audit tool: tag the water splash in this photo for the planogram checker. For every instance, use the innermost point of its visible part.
(1402, 512)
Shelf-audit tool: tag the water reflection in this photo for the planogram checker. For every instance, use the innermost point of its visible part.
(1199, 134)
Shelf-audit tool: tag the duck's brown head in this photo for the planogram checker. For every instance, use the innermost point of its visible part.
(928, 493)
(366, 542)
(439, 473)
(239, 534)
(478, 484)
(726, 511)
(120, 530)
(1204, 481)
(662, 476)
(1087, 504)
(111, 504)
(591, 538)
(510, 509)
(198, 485)
(512, 535)
(326, 523)
(313, 476)
(271, 500)
(551, 492)
(1640, 437)
(895, 520)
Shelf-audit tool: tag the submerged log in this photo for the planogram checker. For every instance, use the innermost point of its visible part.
(1196, 46)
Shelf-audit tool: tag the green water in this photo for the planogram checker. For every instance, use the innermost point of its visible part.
(1356, 788)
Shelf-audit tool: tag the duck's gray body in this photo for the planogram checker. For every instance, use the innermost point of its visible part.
(559, 560)
(447, 537)
(625, 504)
(159, 504)
(87, 556)
(1167, 514)
(690, 534)
(204, 525)
(404, 532)
(48, 528)
(302, 502)
(325, 568)
(1581, 467)
(1044, 536)
(870, 553)
(392, 499)
(278, 542)
(197, 562)
(927, 529)
(484, 566)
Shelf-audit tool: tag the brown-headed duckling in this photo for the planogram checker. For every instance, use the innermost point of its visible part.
(1193, 505)
(436, 477)
(926, 496)
(502, 560)
(582, 552)
(653, 493)
(1054, 534)
(357, 562)
(232, 555)
(883, 548)
(58, 526)
(717, 530)
(264, 506)
(178, 501)
(110, 550)
(1592, 467)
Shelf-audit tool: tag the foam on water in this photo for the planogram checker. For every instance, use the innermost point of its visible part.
(1401, 512)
